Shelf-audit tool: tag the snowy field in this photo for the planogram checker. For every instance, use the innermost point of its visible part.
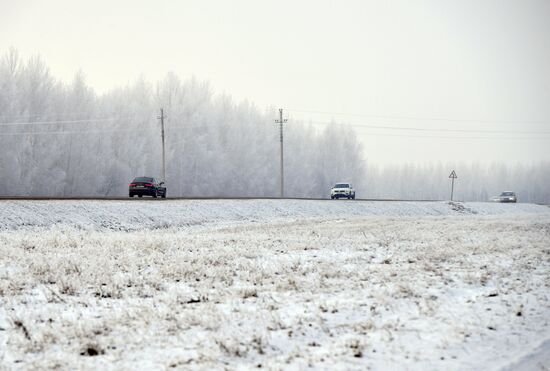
(274, 284)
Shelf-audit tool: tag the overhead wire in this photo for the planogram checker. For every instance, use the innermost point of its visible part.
(67, 132)
(363, 126)
(457, 137)
(39, 115)
(61, 122)
(385, 127)
(417, 118)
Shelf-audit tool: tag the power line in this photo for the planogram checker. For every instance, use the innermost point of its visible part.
(426, 129)
(449, 137)
(58, 116)
(64, 122)
(358, 126)
(67, 132)
(396, 117)
(460, 138)
(46, 114)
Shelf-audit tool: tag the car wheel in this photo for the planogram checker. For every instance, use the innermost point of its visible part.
(332, 197)
(353, 197)
(155, 194)
(164, 194)
(140, 196)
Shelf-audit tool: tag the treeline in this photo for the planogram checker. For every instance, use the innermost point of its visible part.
(475, 182)
(64, 139)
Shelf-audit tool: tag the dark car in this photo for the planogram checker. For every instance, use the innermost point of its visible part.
(146, 186)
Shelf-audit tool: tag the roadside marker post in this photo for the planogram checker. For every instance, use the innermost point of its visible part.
(453, 176)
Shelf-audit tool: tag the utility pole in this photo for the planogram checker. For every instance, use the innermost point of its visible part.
(161, 118)
(453, 176)
(281, 170)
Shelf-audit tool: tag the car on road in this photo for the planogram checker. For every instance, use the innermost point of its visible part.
(147, 186)
(507, 196)
(342, 190)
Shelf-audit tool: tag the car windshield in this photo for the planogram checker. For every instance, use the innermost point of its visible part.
(507, 194)
(342, 185)
(143, 180)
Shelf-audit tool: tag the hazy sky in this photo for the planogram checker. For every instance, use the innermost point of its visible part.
(481, 68)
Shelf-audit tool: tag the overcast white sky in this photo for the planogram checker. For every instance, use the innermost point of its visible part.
(448, 65)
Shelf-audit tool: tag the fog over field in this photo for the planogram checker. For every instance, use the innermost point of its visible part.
(64, 139)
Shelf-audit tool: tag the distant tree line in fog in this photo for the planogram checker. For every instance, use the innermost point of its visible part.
(475, 182)
(64, 139)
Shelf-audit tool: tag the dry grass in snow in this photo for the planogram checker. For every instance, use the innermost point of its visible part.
(454, 292)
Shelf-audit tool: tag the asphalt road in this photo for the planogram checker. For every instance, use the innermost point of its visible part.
(46, 198)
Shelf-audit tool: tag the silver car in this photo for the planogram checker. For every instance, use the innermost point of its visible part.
(342, 190)
(507, 197)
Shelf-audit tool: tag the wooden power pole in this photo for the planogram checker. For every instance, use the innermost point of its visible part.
(161, 118)
(453, 176)
(281, 121)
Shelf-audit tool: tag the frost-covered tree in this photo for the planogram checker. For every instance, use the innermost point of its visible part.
(63, 139)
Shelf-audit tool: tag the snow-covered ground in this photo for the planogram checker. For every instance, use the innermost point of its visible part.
(136, 214)
(276, 284)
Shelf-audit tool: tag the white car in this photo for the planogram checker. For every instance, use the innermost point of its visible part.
(507, 196)
(342, 190)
